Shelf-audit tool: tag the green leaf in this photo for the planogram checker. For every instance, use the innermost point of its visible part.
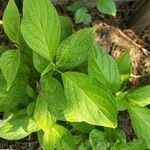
(41, 27)
(25, 48)
(15, 112)
(30, 92)
(50, 67)
(52, 96)
(124, 64)
(18, 127)
(140, 95)
(11, 21)
(58, 137)
(9, 63)
(16, 95)
(98, 140)
(121, 101)
(40, 63)
(141, 122)
(74, 50)
(81, 142)
(81, 15)
(103, 68)
(42, 115)
(106, 7)
(138, 144)
(115, 135)
(84, 145)
(83, 127)
(31, 108)
(66, 27)
(88, 102)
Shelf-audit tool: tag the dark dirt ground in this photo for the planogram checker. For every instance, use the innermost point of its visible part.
(114, 35)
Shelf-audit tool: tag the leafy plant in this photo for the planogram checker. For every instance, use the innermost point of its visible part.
(81, 14)
(106, 7)
(44, 88)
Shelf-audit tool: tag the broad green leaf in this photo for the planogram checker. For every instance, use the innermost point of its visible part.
(88, 102)
(121, 101)
(41, 27)
(50, 67)
(81, 15)
(124, 64)
(83, 127)
(40, 135)
(141, 122)
(66, 27)
(103, 68)
(140, 95)
(18, 127)
(42, 115)
(26, 54)
(106, 7)
(98, 140)
(52, 96)
(40, 63)
(58, 137)
(11, 21)
(31, 108)
(16, 95)
(9, 63)
(30, 92)
(74, 50)
(24, 47)
(138, 144)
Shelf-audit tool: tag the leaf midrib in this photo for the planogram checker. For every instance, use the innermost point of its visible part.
(93, 102)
